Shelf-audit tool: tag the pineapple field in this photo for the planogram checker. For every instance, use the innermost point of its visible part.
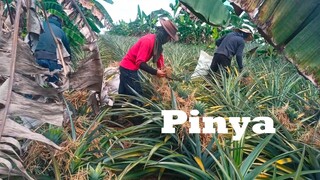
(107, 148)
(84, 129)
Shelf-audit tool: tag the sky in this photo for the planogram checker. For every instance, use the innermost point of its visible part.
(127, 9)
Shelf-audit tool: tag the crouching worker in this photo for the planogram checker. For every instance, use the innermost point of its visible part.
(46, 49)
(147, 47)
(230, 45)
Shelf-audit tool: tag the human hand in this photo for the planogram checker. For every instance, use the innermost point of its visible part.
(161, 73)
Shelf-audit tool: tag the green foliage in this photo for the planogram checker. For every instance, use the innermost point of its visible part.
(193, 31)
(111, 49)
(204, 10)
(103, 10)
(53, 4)
(74, 35)
(298, 40)
(55, 134)
(97, 173)
(93, 25)
(142, 25)
(270, 83)
(140, 151)
(201, 107)
(190, 31)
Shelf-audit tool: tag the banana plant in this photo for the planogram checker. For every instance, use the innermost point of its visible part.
(74, 25)
(18, 87)
(93, 15)
(143, 24)
(73, 32)
(17, 65)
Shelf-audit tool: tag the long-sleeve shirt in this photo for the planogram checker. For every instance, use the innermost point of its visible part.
(140, 52)
(46, 47)
(231, 45)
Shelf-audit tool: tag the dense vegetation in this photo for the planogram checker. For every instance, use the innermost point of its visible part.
(269, 86)
(126, 143)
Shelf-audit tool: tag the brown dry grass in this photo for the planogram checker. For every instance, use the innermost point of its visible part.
(186, 105)
(311, 136)
(39, 151)
(77, 98)
(80, 175)
(284, 118)
(247, 80)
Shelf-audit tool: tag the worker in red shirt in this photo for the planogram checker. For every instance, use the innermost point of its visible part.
(147, 47)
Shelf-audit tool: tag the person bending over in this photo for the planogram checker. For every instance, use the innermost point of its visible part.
(229, 46)
(146, 48)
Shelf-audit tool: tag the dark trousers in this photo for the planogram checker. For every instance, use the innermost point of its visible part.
(219, 60)
(51, 65)
(129, 78)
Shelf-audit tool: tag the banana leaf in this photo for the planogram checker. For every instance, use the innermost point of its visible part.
(17, 64)
(72, 31)
(93, 25)
(103, 11)
(213, 12)
(290, 27)
(108, 1)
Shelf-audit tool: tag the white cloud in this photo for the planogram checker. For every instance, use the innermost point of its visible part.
(127, 9)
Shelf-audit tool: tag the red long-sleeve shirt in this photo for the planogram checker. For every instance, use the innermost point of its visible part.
(141, 51)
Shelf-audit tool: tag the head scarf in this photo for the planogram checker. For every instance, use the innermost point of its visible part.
(161, 38)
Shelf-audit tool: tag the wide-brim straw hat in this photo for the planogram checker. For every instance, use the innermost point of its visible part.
(170, 28)
(244, 30)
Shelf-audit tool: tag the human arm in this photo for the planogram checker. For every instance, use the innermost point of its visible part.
(144, 66)
(239, 55)
(160, 73)
(160, 64)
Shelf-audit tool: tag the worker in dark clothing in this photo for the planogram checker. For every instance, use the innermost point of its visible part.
(147, 47)
(46, 49)
(230, 45)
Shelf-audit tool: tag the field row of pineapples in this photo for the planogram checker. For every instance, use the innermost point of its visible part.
(120, 148)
